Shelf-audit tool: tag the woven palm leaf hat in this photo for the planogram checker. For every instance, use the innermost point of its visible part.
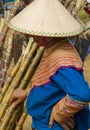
(46, 18)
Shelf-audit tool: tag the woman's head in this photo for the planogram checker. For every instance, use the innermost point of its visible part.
(45, 41)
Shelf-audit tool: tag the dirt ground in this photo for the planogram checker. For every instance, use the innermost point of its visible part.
(27, 123)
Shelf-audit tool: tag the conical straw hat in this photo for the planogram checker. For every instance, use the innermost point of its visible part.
(46, 18)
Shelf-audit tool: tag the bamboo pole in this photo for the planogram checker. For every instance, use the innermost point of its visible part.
(16, 80)
(16, 68)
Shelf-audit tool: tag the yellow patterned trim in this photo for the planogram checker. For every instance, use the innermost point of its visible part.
(55, 34)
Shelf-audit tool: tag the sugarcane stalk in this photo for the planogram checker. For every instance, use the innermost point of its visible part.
(9, 115)
(11, 124)
(10, 78)
(67, 3)
(31, 68)
(16, 68)
(22, 118)
(28, 48)
(3, 34)
(1, 24)
(6, 57)
(71, 6)
(19, 125)
(17, 79)
(2, 53)
(79, 4)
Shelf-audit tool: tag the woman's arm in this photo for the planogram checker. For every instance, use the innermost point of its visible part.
(77, 96)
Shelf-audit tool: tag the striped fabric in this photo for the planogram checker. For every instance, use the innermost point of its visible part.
(58, 56)
(67, 107)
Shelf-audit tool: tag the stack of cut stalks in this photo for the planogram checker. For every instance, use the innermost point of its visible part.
(23, 70)
(6, 43)
(19, 77)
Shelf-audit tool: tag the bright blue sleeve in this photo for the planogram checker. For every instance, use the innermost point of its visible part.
(72, 83)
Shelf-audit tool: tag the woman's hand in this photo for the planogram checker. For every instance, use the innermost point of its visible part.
(18, 97)
(64, 122)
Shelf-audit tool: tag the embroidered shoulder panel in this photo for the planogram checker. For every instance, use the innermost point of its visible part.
(62, 55)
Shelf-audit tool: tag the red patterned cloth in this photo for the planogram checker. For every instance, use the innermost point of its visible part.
(60, 55)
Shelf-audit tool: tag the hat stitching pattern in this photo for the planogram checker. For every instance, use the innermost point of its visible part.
(44, 33)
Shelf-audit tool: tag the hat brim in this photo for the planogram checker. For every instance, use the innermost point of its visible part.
(46, 18)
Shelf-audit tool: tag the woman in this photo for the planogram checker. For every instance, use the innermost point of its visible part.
(59, 95)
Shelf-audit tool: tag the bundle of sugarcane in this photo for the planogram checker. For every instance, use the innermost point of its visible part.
(12, 121)
(16, 68)
(15, 82)
(11, 114)
(4, 29)
(11, 14)
(5, 51)
(23, 83)
(6, 54)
